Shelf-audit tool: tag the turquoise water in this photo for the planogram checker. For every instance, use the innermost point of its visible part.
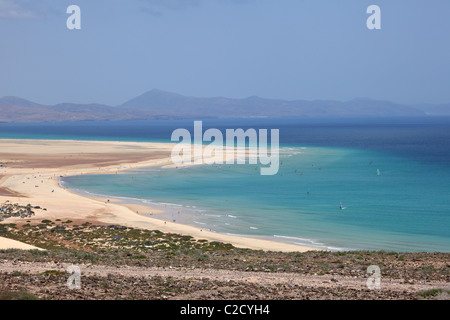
(405, 208)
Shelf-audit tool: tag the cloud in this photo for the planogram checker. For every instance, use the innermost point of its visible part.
(16, 9)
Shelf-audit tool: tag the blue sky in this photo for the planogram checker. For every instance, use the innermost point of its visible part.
(289, 49)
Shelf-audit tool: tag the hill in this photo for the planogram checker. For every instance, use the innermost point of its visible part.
(158, 104)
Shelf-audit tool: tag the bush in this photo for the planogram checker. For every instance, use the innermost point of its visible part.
(432, 293)
(17, 295)
(53, 272)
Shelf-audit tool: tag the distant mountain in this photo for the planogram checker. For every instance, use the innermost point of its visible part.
(158, 104)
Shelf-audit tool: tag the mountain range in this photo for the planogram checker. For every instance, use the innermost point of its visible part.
(158, 104)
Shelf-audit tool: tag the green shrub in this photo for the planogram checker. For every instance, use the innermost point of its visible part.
(432, 293)
(17, 295)
(53, 272)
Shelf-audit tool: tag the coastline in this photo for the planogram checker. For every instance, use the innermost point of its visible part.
(32, 169)
(166, 213)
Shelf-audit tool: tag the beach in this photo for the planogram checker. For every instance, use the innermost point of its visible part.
(31, 169)
(125, 255)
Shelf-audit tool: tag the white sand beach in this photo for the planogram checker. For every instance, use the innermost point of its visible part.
(31, 169)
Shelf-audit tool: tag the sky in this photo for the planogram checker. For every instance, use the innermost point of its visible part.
(284, 49)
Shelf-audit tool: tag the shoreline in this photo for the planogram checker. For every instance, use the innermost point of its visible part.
(166, 214)
(37, 165)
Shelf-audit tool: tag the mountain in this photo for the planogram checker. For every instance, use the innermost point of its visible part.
(158, 104)
(14, 109)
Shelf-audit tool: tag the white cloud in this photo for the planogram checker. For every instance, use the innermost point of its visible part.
(11, 9)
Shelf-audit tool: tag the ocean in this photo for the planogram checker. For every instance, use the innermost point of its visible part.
(391, 175)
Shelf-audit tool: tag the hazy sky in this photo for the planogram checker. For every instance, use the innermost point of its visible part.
(290, 49)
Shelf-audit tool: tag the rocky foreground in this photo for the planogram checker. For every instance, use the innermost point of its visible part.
(117, 262)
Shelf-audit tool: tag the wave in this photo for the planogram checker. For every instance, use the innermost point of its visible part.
(309, 242)
(212, 215)
(292, 238)
(171, 204)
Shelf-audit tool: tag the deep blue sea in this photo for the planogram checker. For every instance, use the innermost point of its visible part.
(392, 176)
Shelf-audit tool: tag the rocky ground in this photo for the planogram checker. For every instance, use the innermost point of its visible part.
(124, 263)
